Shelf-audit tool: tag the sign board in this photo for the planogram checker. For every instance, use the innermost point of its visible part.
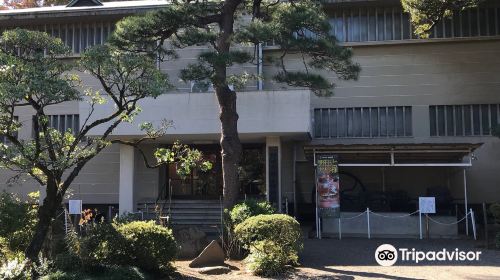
(75, 207)
(427, 205)
(328, 185)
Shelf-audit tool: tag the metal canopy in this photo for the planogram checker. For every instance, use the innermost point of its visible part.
(453, 154)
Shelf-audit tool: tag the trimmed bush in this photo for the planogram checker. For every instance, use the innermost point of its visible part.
(250, 208)
(153, 246)
(146, 245)
(101, 245)
(274, 242)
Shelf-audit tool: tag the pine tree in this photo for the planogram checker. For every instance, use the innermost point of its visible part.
(298, 27)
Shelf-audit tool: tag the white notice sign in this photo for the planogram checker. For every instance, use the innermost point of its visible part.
(75, 207)
(427, 205)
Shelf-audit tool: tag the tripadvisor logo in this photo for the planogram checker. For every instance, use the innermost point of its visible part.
(388, 255)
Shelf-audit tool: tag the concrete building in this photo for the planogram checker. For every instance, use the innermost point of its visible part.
(417, 122)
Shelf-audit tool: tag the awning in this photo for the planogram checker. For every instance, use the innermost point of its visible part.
(449, 154)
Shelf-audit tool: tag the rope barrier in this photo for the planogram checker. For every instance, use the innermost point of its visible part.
(448, 224)
(394, 217)
(354, 217)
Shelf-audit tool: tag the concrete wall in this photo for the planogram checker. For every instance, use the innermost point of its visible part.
(270, 112)
(419, 75)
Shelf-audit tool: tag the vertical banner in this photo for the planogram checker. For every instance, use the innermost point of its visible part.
(328, 185)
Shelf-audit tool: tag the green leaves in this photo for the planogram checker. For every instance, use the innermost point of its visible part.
(26, 73)
(301, 28)
(127, 74)
(426, 13)
(184, 158)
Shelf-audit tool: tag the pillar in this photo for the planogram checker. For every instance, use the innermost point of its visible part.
(273, 170)
(126, 187)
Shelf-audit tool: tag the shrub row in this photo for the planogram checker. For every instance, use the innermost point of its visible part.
(143, 244)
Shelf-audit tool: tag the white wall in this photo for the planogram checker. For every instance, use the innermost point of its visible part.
(270, 112)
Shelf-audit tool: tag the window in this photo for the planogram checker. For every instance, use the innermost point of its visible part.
(383, 24)
(4, 139)
(463, 120)
(78, 36)
(63, 123)
(357, 122)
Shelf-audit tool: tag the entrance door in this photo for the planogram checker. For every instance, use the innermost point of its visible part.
(199, 184)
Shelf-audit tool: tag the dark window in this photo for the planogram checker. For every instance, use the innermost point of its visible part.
(432, 118)
(363, 122)
(463, 120)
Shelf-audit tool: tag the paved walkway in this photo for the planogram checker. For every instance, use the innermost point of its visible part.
(354, 258)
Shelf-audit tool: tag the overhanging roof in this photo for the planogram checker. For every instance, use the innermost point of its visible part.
(452, 154)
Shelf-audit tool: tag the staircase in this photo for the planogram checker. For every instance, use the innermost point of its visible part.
(204, 214)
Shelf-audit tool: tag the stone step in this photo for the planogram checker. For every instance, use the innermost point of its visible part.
(195, 217)
(195, 222)
(183, 201)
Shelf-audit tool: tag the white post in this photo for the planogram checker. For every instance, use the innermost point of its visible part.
(340, 230)
(65, 221)
(316, 198)
(319, 227)
(473, 220)
(368, 220)
(420, 223)
(466, 206)
(126, 188)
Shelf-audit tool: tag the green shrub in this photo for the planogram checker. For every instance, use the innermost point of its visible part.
(144, 244)
(153, 246)
(250, 208)
(17, 219)
(15, 269)
(274, 242)
(497, 240)
(101, 245)
(110, 273)
(495, 211)
(67, 261)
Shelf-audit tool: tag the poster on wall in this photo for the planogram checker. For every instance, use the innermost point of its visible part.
(328, 186)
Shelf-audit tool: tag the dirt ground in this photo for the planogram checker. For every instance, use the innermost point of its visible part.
(353, 258)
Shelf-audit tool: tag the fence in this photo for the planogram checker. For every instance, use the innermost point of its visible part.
(368, 213)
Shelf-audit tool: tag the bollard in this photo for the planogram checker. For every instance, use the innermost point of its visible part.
(368, 222)
(473, 220)
(340, 230)
(420, 223)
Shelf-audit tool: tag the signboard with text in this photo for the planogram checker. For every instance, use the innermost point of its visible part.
(328, 185)
(427, 205)
(75, 207)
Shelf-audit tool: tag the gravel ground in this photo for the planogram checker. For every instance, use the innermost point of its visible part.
(353, 258)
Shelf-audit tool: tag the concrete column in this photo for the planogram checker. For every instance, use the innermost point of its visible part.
(126, 189)
(273, 170)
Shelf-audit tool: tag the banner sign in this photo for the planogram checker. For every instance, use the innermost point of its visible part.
(328, 185)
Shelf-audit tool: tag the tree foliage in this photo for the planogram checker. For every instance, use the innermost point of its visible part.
(298, 27)
(426, 13)
(23, 4)
(33, 77)
(232, 31)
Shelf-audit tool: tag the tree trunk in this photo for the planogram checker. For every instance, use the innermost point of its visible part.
(229, 141)
(46, 214)
(230, 145)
